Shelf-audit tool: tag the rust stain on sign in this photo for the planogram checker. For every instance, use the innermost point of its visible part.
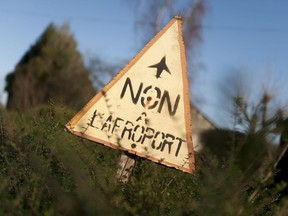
(145, 108)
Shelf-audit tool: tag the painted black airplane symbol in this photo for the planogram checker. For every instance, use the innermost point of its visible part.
(160, 67)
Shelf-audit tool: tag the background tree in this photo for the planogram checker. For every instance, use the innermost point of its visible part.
(153, 15)
(101, 71)
(51, 69)
(255, 114)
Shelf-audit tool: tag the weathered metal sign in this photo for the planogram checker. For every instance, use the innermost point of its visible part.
(145, 108)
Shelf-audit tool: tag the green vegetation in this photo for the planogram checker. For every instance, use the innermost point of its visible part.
(45, 170)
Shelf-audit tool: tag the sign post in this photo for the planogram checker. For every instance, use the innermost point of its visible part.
(145, 109)
(124, 171)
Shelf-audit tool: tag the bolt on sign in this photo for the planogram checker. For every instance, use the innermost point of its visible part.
(145, 108)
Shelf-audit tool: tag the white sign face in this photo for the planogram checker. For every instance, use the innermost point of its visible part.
(145, 109)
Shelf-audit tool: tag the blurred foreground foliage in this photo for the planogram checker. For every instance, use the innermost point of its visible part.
(44, 170)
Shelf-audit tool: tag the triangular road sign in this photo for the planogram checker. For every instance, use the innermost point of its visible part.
(145, 109)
